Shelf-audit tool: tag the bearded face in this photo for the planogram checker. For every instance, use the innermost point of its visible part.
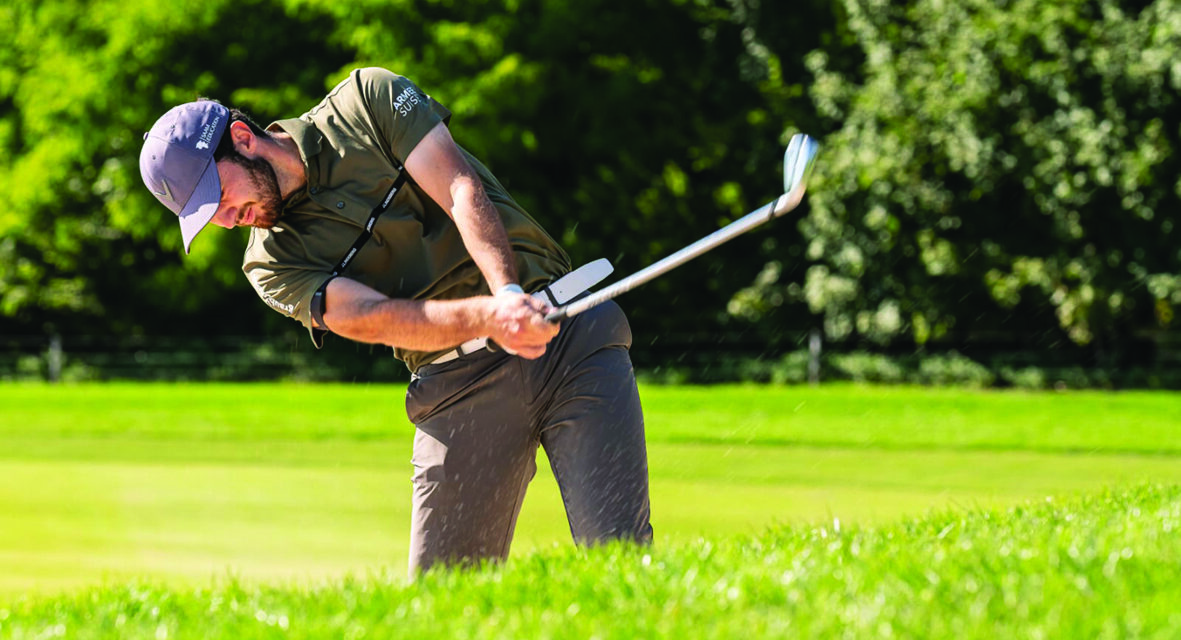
(268, 203)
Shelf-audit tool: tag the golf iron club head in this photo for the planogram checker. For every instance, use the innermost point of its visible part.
(797, 166)
(797, 161)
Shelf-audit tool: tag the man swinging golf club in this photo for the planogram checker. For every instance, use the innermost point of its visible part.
(368, 221)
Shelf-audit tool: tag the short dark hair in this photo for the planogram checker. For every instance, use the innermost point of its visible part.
(225, 147)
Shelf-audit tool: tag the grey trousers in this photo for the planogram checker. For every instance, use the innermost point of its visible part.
(480, 419)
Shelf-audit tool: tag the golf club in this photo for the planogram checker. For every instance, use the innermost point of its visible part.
(797, 164)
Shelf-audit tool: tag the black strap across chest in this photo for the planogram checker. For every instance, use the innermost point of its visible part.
(366, 233)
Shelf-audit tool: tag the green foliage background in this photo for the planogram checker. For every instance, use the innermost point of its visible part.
(990, 167)
(999, 165)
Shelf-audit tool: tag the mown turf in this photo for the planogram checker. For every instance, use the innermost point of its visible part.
(1100, 566)
(830, 415)
(275, 481)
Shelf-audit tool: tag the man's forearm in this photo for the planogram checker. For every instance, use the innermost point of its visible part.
(441, 171)
(483, 234)
(359, 313)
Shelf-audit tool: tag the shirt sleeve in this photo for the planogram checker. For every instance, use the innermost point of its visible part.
(285, 283)
(402, 113)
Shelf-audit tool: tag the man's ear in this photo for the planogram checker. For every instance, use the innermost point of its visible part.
(245, 142)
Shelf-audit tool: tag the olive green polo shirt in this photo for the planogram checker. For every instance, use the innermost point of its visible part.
(350, 144)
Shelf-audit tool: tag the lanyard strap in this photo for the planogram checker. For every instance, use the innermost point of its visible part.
(318, 296)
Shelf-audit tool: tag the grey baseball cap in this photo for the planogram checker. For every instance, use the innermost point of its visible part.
(177, 165)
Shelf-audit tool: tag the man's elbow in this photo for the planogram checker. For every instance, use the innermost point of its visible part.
(466, 190)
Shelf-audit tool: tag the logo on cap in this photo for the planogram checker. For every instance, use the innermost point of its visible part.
(207, 133)
(167, 193)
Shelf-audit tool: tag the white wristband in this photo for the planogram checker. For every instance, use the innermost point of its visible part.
(510, 288)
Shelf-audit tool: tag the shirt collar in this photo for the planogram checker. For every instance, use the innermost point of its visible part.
(308, 140)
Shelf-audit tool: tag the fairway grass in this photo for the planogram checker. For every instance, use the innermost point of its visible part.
(282, 482)
(1098, 566)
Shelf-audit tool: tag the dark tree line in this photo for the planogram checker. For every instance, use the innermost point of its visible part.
(989, 167)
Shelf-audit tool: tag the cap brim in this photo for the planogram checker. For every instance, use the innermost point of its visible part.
(202, 205)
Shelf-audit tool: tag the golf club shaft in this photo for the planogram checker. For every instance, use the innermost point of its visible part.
(769, 211)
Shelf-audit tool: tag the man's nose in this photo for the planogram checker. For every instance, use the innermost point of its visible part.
(225, 218)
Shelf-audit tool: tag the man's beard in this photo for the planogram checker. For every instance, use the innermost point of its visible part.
(266, 185)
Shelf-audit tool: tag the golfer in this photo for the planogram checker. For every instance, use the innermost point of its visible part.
(369, 222)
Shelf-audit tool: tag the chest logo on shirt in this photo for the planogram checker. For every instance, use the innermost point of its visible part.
(406, 101)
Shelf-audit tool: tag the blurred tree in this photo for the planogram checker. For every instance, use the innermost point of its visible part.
(629, 128)
(85, 248)
(994, 166)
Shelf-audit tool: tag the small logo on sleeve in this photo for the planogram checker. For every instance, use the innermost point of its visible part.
(406, 101)
(288, 309)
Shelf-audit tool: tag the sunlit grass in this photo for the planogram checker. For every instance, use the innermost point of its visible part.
(180, 483)
(1103, 565)
(838, 415)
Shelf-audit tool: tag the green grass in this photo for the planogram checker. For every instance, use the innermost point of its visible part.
(275, 482)
(831, 415)
(1102, 566)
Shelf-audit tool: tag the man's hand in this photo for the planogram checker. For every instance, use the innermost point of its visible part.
(518, 325)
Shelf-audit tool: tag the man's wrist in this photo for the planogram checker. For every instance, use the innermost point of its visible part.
(510, 288)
